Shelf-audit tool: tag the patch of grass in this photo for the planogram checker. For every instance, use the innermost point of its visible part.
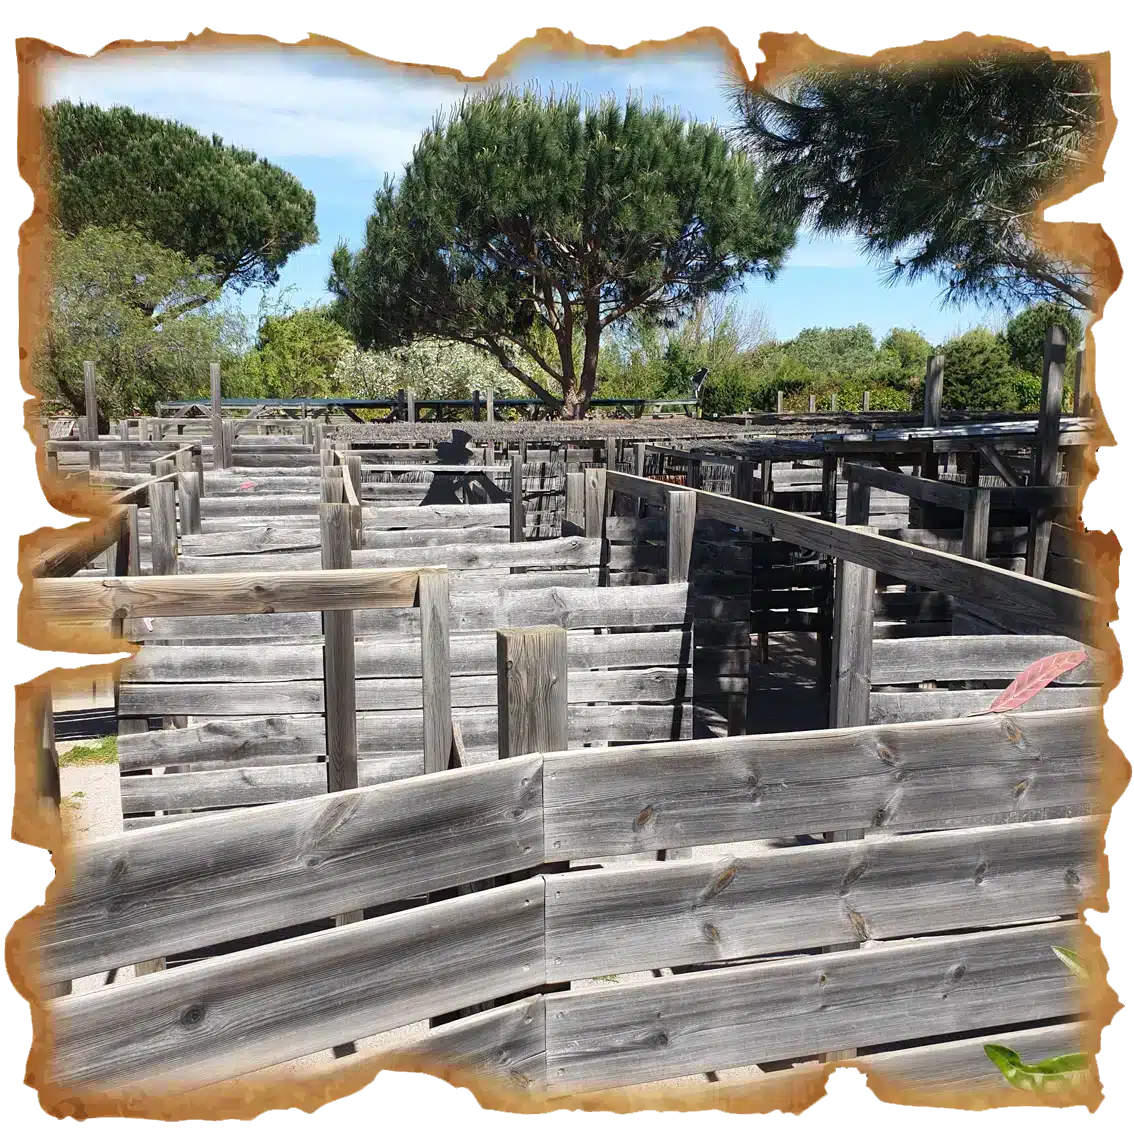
(104, 751)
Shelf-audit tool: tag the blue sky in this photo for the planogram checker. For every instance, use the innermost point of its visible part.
(340, 122)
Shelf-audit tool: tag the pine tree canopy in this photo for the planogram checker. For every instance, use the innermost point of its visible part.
(939, 168)
(532, 224)
(174, 187)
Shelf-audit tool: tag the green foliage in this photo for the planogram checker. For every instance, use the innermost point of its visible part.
(295, 356)
(103, 751)
(536, 224)
(939, 167)
(1025, 334)
(1059, 1074)
(432, 368)
(979, 373)
(138, 311)
(195, 195)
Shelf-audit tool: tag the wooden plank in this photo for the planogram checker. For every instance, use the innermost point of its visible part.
(517, 499)
(215, 389)
(895, 777)
(206, 1022)
(253, 592)
(999, 657)
(433, 601)
(1034, 605)
(391, 657)
(74, 547)
(779, 1009)
(338, 656)
(568, 551)
(163, 528)
(945, 704)
(852, 644)
(974, 537)
(188, 493)
(230, 875)
(595, 497)
(681, 519)
(531, 669)
(709, 911)
(943, 493)
(90, 393)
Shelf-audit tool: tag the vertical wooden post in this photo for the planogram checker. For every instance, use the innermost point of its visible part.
(834, 402)
(594, 492)
(127, 553)
(680, 518)
(1047, 447)
(199, 465)
(610, 459)
(338, 657)
(91, 394)
(228, 434)
(974, 539)
(215, 389)
(858, 504)
(931, 409)
(810, 403)
(317, 431)
(531, 690)
(865, 401)
(52, 459)
(433, 602)
(516, 513)
(779, 401)
(490, 405)
(188, 493)
(411, 406)
(850, 679)
(353, 469)
(163, 522)
(829, 495)
(1077, 398)
(574, 507)
(476, 405)
(639, 458)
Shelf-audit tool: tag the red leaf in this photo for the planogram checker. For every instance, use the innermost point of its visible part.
(1036, 677)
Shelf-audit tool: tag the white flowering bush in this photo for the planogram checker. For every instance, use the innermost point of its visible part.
(432, 368)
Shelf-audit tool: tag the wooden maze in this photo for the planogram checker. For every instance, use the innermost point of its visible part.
(463, 746)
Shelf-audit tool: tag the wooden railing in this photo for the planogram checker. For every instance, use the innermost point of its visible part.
(970, 786)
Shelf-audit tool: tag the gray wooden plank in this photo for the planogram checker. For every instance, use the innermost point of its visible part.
(947, 704)
(225, 876)
(896, 777)
(705, 911)
(995, 657)
(226, 1016)
(779, 1009)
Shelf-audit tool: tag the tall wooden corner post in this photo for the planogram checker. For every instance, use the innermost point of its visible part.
(852, 650)
(1046, 465)
(90, 393)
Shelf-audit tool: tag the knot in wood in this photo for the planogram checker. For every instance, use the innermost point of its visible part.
(851, 877)
(643, 817)
(980, 872)
(957, 972)
(193, 1016)
(1072, 876)
(120, 867)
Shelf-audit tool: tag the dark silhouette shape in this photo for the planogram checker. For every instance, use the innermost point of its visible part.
(461, 488)
(698, 381)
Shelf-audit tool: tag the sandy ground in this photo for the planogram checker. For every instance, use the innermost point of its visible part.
(785, 698)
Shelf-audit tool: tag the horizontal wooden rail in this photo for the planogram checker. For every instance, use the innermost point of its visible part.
(951, 495)
(1031, 605)
(116, 445)
(262, 592)
(75, 547)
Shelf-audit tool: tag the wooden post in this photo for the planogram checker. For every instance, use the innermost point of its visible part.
(610, 460)
(680, 518)
(91, 395)
(974, 539)
(52, 459)
(228, 433)
(865, 401)
(476, 405)
(317, 431)
(1077, 397)
(594, 493)
(829, 496)
(516, 514)
(574, 507)
(931, 412)
(639, 458)
(1047, 447)
(531, 690)
(127, 554)
(850, 680)
(188, 493)
(199, 465)
(779, 401)
(353, 470)
(810, 403)
(338, 657)
(163, 521)
(433, 602)
(215, 389)
(858, 504)
(834, 402)
(411, 406)
(490, 405)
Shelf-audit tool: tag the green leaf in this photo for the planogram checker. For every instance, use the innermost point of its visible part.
(1061, 1072)
(1072, 960)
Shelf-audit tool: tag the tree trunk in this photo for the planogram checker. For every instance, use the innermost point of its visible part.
(591, 335)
